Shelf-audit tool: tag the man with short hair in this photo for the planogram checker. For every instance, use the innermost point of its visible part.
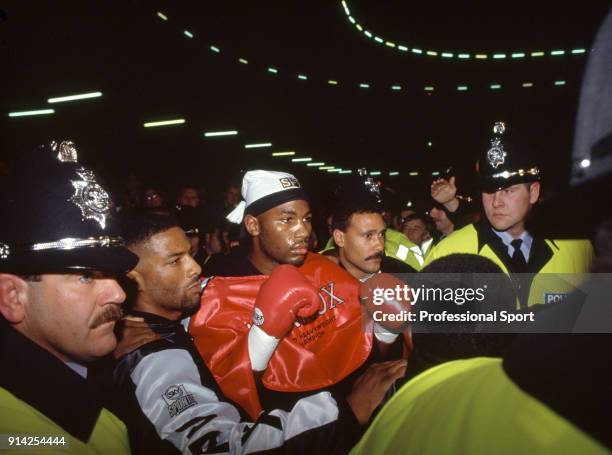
(60, 256)
(510, 184)
(188, 196)
(172, 401)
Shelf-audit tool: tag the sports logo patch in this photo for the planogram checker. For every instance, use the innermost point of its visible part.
(177, 399)
(289, 182)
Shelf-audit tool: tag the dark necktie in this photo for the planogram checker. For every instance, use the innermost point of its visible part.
(518, 259)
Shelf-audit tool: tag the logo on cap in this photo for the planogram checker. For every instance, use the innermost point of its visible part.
(496, 154)
(289, 182)
(91, 198)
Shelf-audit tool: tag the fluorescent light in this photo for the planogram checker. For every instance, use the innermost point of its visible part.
(359, 27)
(346, 171)
(428, 88)
(220, 133)
(258, 146)
(462, 88)
(448, 54)
(432, 53)
(215, 49)
(364, 85)
(559, 82)
(162, 16)
(334, 170)
(243, 61)
(481, 56)
(289, 153)
(393, 173)
(537, 54)
(413, 174)
(557, 52)
(325, 168)
(390, 44)
(301, 160)
(434, 173)
(417, 51)
(527, 84)
(302, 77)
(82, 96)
(26, 113)
(396, 87)
(332, 82)
(188, 34)
(272, 70)
(319, 163)
(378, 39)
(403, 48)
(164, 122)
(498, 56)
(495, 86)
(464, 56)
(518, 55)
(578, 51)
(374, 172)
(351, 19)
(368, 34)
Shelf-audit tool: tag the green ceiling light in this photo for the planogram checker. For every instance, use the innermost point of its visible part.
(318, 163)
(82, 96)
(557, 52)
(393, 173)
(527, 84)
(537, 54)
(435, 173)
(481, 56)
(432, 53)
(390, 44)
(345, 171)
(378, 39)
(413, 174)
(402, 48)
(215, 49)
(374, 173)
(464, 56)
(326, 168)
(559, 83)
(368, 34)
(364, 85)
(301, 160)
(518, 55)
(243, 61)
(177, 121)
(462, 88)
(396, 87)
(416, 50)
(188, 34)
(220, 133)
(28, 113)
(578, 51)
(287, 153)
(359, 27)
(162, 16)
(428, 88)
(258, 145)
(352, 19)
(499, 56)
(447, 55)
(332, 82)
(495, 86)
(335, 170)
(272, 70)
(302, 77)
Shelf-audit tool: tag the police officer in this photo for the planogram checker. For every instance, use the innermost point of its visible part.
(59, 300)
(510, 186)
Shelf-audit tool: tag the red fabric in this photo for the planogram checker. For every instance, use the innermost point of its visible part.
(314, 355)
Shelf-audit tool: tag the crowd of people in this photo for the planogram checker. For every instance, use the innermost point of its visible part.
(149, 324)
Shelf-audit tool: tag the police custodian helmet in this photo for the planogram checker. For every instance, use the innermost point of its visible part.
(57, 218)
(507, 160)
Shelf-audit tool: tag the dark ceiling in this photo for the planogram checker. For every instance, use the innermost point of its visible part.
(149, 70)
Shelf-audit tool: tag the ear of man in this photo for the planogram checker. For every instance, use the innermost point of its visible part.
(13, 297)
(534, 192)
(251, 225)
(338, 238)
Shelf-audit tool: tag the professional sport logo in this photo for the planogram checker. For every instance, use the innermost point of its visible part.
(177, 399)
(289, 182)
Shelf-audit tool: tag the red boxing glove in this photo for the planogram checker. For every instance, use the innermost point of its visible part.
(387, 300)
(287, 294)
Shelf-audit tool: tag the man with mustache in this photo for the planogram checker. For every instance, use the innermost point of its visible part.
(169, 397)
(510, 187)
(60, 256)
